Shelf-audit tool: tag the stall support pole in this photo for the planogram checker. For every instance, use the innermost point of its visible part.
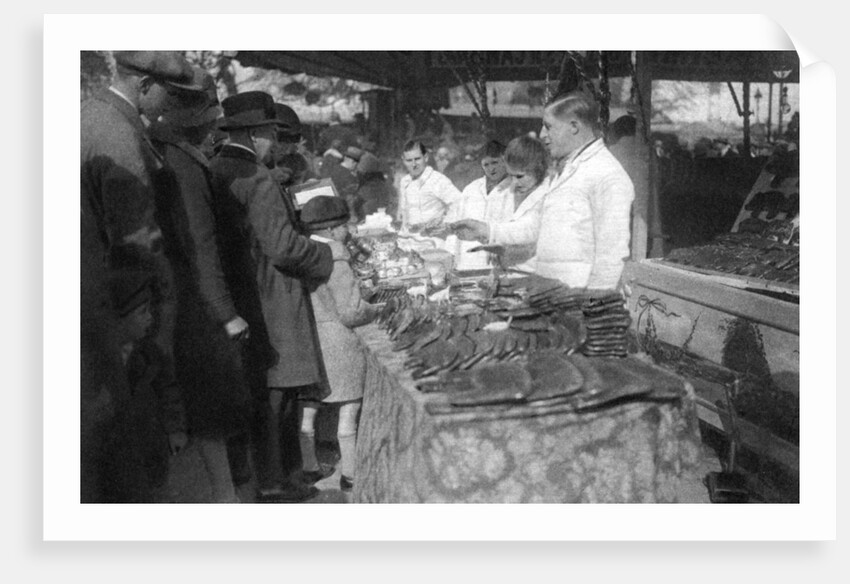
(769, 112)
(747, 112)
(644, 202)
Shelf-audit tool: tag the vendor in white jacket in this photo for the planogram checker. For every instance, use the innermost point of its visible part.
(581, 227)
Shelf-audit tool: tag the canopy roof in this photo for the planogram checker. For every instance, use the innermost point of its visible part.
(432, 69)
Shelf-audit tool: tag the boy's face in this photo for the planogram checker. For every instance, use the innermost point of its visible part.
(494, 169)
(137, 323)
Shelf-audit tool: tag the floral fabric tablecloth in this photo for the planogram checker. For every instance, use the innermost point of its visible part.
(634, 452)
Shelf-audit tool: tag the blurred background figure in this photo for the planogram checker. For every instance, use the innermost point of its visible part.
(374, 191)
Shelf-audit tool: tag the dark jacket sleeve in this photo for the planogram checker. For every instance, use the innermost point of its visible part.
(202, 246)
(292, 253)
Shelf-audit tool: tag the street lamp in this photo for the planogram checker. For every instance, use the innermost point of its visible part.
(758, 97)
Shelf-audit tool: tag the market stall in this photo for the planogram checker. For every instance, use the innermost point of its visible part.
(499, 388)
(726, 314)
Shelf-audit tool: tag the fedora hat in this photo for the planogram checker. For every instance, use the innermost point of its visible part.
(323, 212)
(197, 107)
(168, 66)
(248, 110)
(289, 123)
(201, 81)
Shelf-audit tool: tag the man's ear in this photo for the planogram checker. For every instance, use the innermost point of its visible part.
(146, 83)
(574, 126)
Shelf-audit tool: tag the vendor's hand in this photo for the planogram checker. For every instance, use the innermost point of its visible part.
(237, 329)
(471, 230)
(177, 441)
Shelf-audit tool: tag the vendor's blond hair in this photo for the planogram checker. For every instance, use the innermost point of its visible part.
(577, 104)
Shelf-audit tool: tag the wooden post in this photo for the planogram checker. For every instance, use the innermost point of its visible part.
(641, 178)
(769, 112)
(747, 113)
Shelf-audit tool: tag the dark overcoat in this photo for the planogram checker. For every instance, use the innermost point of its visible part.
(209, 366)
(266, 261)
(119, 174)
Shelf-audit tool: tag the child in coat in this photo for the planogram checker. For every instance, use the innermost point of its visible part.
(339, 308)
(151, 416)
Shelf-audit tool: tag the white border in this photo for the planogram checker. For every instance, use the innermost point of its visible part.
(64, 519)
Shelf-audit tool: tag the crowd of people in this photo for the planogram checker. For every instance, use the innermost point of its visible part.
(217, 310)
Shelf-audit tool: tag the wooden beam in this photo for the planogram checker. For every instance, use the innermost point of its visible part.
(747, 113)
(706, 291)
(640, 207)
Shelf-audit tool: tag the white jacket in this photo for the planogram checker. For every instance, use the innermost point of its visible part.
(477, 203)
(582, 226)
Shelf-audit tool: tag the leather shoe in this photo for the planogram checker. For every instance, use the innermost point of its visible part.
(310, 477)
(286, 494)
(345, 483)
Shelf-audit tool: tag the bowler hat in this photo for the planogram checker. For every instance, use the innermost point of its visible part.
(289, 123)
(323, 212)
(164, 65)
(129, 289)
(354, 153)
(197, 107)
(248, 110)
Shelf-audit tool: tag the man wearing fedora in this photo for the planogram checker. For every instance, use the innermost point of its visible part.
(288, 163)
(266, 261)
(208, 327)
(118, 174)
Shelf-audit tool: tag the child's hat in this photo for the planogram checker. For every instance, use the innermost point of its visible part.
(323, 212)
(129, 289)
(354, 153)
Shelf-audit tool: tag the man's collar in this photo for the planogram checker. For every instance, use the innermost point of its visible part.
(587, 150)
(317, 237)
(240, 147)
(123, 96)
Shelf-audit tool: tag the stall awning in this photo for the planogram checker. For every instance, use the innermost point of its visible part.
(420, 69)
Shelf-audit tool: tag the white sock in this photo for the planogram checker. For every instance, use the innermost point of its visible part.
(346, 452)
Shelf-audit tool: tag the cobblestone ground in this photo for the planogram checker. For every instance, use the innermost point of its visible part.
(188, 483)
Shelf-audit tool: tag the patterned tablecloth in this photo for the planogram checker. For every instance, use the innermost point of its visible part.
(634, 452)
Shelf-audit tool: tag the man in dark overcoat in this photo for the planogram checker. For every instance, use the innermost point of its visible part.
(266, 260)
(208, 330)
(118, 168)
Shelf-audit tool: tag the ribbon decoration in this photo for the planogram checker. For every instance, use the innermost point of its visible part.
(644, 304)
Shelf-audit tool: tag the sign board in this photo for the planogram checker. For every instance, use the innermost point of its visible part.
(307, 191)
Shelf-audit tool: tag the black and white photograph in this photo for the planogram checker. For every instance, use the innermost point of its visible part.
(499, 280)
(521, 277)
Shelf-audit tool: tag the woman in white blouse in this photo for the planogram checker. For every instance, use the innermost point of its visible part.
(527, 162)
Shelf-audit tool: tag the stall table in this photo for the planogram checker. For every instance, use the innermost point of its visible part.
(632, 452)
